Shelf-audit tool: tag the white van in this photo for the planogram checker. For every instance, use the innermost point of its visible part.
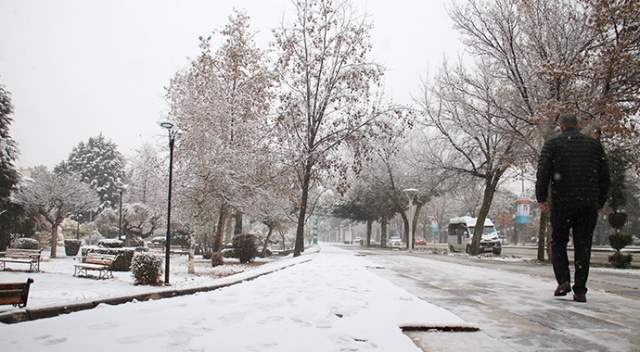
(460, 231)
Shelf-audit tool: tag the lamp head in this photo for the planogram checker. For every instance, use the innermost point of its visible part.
(167, 125)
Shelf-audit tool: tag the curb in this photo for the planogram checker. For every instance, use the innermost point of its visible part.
(27, 314)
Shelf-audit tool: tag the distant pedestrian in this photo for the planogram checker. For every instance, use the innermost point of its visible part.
(576, 167)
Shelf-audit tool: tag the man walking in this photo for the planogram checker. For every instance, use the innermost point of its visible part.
(576, 167)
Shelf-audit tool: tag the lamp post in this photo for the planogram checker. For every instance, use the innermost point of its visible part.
(411, 193)
(78, 217)
(120, 189)
(172, 135)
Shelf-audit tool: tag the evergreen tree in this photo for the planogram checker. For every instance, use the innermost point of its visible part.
(99, 164)
(9, 177)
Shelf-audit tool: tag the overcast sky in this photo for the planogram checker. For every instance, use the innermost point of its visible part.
(76, 69)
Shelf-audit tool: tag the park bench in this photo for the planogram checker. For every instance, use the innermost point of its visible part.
(102, 263)
(15, 293)
(179, 250)
(22, 256)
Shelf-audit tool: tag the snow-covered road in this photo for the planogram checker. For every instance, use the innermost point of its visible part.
(512, 302)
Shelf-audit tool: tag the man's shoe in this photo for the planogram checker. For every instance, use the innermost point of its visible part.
(563, 289)
(580, 297)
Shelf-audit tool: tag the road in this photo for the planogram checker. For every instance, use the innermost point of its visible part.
(512, 301)
(599, 255)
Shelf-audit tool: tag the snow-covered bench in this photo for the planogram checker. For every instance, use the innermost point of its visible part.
(15, 293)
(103, 263)
(22, 256)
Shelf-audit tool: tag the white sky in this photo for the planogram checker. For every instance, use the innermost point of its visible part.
(80, 68)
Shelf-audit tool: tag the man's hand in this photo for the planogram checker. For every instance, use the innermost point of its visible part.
(544, 207)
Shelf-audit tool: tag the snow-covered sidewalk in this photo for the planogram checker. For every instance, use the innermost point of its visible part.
(333, 302)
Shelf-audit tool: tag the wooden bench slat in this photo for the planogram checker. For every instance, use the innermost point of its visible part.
(15, 293)
(11, 285)
(10, 292)
(10, 300)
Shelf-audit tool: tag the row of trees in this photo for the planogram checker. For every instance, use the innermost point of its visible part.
(263, 133)
(531, 61)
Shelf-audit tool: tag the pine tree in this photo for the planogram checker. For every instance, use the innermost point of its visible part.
(9, 177)
(99, 164)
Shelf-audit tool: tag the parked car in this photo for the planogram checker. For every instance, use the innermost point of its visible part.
(420, 241)
(395, 241)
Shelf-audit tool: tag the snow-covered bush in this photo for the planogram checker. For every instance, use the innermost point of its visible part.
(110, 243)
(137, 242)
(245, 247)
(26, 243)
(146, 268)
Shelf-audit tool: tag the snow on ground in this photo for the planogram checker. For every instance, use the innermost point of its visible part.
(329, 300)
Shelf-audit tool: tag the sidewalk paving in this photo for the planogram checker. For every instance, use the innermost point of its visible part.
(326, 300)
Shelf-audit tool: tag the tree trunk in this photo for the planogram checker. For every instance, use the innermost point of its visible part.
(54, 240)
(299, 247)
(266, 241)
(127, 236)
(237, 230)
(217, 243)
(414, 221)
(383, 232)
(192, 249)
(369, 226)
(543, 234)
(489, 191)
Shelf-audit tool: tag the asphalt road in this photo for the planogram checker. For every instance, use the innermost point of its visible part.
(511, 299)
(599, 255)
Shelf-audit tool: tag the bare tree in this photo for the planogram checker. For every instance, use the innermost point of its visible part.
(465, 110)
(54, 197)
(229, 92)
(326, 100)
(557, 55)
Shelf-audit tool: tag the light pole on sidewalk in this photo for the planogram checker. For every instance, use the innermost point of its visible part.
(172, 136)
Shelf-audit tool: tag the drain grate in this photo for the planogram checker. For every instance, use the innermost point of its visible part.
(440, 328)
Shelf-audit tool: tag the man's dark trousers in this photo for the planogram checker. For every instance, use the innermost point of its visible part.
(583, 222)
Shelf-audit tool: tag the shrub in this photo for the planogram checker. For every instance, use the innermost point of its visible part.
(27, 243)
(245, 247)
(617, 219)
(146, 268)
(229, 253)
(72, 247)
(110, 243)
(136, 242)
(620, 240)
(619, 260)
(217, 259)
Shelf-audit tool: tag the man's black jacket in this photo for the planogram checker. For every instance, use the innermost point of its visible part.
(577, 167)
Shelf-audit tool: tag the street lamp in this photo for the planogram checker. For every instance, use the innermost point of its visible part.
(121, 190)
(411, 193)
(172, 135)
